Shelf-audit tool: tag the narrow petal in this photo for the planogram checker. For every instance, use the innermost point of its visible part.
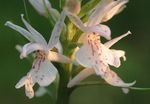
(21, 83)
(29, 88)
(80, 77)
(19, 48)
(57, 31)
(37, 36)
(100, 11)
(111, 77)
(115, 40)
(115, 10)
(84, 56)
(45, 74)
(21, 30)
(56, 57)
(39, 6)
(29, 48)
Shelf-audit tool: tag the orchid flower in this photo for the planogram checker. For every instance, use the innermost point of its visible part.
(43, 71)
(96, 58)
(94, 55)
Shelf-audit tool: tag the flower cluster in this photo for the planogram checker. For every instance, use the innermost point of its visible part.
(93, 55)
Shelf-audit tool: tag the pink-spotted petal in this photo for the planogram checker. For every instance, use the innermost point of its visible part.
(31, 47)
(111, 77)
(45, 74)
(80, 77)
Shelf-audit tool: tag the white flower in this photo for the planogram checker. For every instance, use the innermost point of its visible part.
(43, 71)
(93, 55)
(97, 57)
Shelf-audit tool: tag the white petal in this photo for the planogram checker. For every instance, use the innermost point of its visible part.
(113, 41)
(57, 31)
(117, 55)
(102, 30)
(37, 36)
(125, 90)
(84, 56)
(115, 10)
(80, 77)
(45, 74)
(21, 83)
(112, 57)
(100, 11)
(21, 30)
(40, 92)
(56, 57)
(39, 6)
(109, 76)
(31, 47)
(19, 48)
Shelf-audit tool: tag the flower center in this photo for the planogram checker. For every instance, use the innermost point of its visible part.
(40, 57)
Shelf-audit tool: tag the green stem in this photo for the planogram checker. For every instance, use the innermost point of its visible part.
(63, 91)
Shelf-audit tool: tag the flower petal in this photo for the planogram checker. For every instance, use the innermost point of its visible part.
(111, 77)
(29, 88)
(112, 57)
(104, 7)
(21, 30)
(84, 56)
(80, 77)
(102, 30)
(57, 31)
(115, 40)
(56, 57)
(39, 6)
(29, 48)
(115, 10)
(37, 36)
(45, 74)
(21, 83)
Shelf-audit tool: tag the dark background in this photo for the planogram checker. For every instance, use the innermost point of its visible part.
(136, 18)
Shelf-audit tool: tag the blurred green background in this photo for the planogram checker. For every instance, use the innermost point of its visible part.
(136, 18)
